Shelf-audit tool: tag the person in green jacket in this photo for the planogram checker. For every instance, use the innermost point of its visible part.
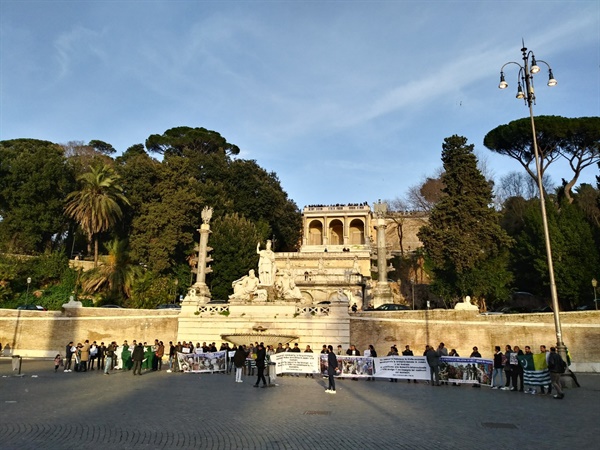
(126, 357)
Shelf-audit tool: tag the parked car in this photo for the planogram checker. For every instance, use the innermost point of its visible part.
(515, 310)
(391, 307)
(111, 306)
(32, 308)
(169, 306)
(543, 309)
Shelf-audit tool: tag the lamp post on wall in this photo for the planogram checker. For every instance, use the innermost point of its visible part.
(412, 285)
(595, 285)
(27, 295)
(527, 70)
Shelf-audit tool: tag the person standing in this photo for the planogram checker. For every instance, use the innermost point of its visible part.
(93, 355)
(85, 356)
(160, 352)
(498, 368)
(308, 350)
(101, 355)
(475, 353)
(556, 366)
(239, 359)
(261, 354)
(406, 352)
(138, 357)
(517, 370)
(332, 366)
(68, 356)
(372, 354)
(394, 352)
(433, 360)
(508, 368)
(110, 355)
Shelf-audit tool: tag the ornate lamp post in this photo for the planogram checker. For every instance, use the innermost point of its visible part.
(595, 285)
(527, 70)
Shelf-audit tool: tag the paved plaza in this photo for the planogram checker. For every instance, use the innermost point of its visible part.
(160, 410)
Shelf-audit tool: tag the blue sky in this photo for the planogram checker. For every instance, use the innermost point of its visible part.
(347, 101)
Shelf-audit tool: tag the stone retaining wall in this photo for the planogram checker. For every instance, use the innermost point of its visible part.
(462, 330)
(33, 333)
(45, 333)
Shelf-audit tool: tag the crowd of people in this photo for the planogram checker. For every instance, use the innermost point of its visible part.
(508, 372)
(86, 356)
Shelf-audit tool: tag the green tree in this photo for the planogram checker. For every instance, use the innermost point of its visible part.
(187, 141)
(116, 277)
(34, 180)
(576, 140)
(96, 206)
(234, 240)
(575, 254)
(463, 242)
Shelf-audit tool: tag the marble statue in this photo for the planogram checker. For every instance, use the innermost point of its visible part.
(466, 305)
(288, 288)
(266, 264)
(245, 286)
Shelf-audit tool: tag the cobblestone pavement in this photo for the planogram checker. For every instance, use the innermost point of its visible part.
(159, 410)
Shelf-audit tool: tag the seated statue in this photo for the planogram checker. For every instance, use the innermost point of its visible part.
(288, 287)
(245, 286)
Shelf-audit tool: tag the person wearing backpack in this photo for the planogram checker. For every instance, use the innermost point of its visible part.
(556, 366)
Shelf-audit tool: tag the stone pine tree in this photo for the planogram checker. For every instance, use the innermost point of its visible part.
(465, 247)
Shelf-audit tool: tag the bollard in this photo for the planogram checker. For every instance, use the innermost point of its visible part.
(16, 364)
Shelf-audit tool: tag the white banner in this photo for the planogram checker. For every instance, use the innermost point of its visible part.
(456, 370)
(404, 367)
(293, 362)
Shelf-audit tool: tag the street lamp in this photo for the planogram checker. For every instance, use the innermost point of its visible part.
(525, 79)
(27, 295)
(595, 285)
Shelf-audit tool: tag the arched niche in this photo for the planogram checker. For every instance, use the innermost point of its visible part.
(336, 232)
(357, 232)
(315, 233)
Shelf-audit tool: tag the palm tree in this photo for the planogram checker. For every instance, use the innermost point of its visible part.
(117, 276)
(96, 205)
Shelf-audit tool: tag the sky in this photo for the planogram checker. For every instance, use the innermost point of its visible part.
(346, 101)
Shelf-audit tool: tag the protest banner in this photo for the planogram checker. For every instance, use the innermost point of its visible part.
(292, 362)
(466, 370)
(402, 367)
(202, 362)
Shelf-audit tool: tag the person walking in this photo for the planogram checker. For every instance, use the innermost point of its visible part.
(138, 357)
(261, 354)
(332, 366)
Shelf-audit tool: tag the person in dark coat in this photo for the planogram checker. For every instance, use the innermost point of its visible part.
(332, 365)
(433, 359)
(239, 359)
(261, 354)
(138, 357)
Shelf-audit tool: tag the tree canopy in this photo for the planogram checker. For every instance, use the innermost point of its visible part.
(463, 239)
(34, 181)
(577, 140)
(187, 141)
